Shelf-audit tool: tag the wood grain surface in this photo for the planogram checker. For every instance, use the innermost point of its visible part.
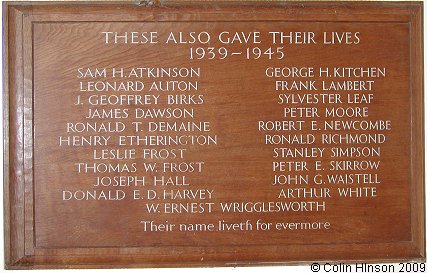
(46, 43)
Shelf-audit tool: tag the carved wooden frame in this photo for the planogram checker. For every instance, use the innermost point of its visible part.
(18, 20)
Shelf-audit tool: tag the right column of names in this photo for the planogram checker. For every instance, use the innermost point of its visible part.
(325, 143)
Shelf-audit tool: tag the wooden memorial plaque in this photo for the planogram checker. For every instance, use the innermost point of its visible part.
(157, 134)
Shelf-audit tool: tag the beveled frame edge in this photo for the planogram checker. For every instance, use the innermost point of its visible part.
(418, 129)
(13, 129)
(6, 207)
(11, 258)
(13, 112)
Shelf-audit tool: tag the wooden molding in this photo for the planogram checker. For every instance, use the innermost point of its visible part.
(21, 249)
